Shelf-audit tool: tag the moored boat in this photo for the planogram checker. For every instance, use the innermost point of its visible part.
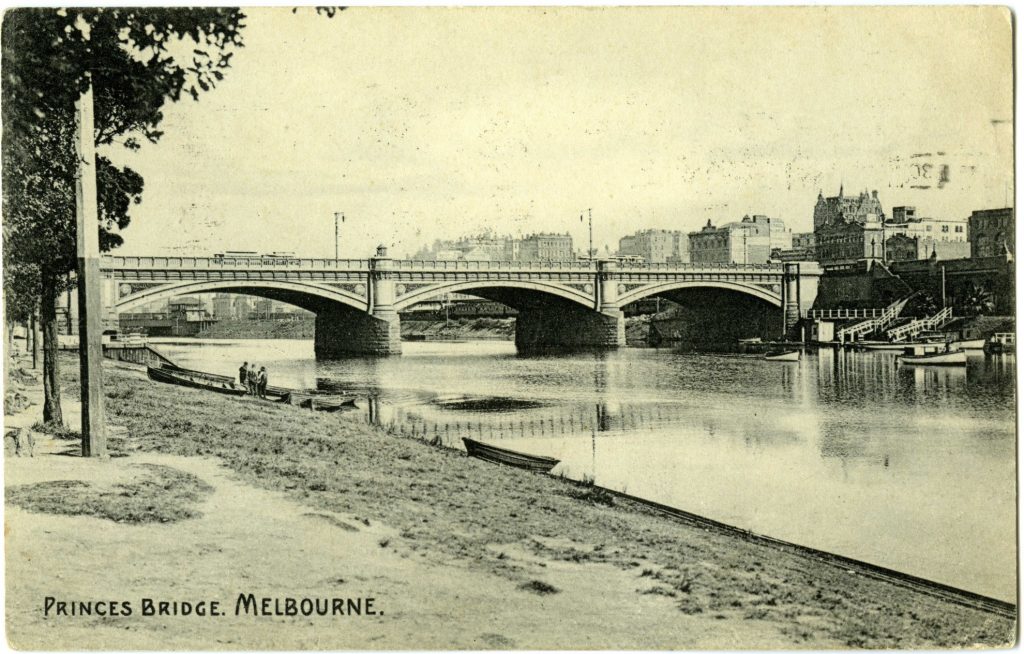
(973, 344)
(750, 341)
(319, 401)
(494, 454)
(791, 355)
(951, 358)
(273, 392)
(184, 378)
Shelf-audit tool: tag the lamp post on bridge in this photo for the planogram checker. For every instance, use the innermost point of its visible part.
(338, 215)
(590, 232)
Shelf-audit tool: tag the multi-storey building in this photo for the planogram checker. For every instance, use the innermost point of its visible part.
(946, 239)
(991, 232)
(546, 247)
(656, 246)
(750, 240)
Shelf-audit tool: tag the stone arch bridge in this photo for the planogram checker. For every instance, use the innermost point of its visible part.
(561, 305)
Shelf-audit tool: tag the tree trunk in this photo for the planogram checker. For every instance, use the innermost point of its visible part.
(51, 365)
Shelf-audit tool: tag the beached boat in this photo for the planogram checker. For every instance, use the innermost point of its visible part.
(791, 355)
(951, 358)
(183, 378)
(273, 392)
(509, 457)
(319, 401)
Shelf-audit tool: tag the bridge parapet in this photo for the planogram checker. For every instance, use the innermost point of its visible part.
(230, 263)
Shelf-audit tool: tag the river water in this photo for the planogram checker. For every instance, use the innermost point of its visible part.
(912, 468)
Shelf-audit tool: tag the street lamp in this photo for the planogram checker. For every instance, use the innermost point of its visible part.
(338, 215)
(590, 241)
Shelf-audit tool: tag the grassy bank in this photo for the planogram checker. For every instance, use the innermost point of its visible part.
(447, 508)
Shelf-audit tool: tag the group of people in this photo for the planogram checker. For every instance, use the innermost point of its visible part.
(255, 381)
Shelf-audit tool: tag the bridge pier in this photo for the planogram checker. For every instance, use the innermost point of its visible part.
(344, 332)
(542, 329)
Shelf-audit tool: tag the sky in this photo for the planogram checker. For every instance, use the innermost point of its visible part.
(428, 123)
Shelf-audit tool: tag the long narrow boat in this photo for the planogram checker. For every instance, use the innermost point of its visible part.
(898, 347)
(273, 392)
(319, 401)
(509, 457)
(182, 378)
(792, 355)
(952, 358)
(328, 401)
(973, 344)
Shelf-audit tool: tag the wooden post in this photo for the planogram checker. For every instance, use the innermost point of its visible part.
(33, 333)
(90, 326)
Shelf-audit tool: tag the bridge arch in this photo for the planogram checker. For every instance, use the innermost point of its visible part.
(304, 295)
(774, 299)
(548, 288)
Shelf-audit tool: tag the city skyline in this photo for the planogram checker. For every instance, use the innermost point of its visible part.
(648, 132)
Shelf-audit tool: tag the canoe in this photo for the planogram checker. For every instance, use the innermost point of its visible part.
(182, 378)
(974, 344)
(792, 355)
(953, 358)
(494, 454)
(319, 401)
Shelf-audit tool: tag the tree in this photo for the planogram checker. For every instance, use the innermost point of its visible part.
(136, 59)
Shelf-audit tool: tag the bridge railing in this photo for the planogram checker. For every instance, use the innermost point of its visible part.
(221, 263)
(692, 267)
(462, 264)
(111, 262)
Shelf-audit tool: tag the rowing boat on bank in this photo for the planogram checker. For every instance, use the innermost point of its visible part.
(494, 454)
(319, 401)
(306, 398)
(184, 378)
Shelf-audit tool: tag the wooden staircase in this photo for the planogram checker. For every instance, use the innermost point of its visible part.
(864, 327)
(915, 327)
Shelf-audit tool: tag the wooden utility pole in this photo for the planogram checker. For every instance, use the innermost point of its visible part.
(90, 326)
(33, 333)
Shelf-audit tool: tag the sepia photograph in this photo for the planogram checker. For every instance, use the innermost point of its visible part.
(509, 328)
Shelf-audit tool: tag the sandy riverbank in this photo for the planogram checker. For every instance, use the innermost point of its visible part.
(457, 553)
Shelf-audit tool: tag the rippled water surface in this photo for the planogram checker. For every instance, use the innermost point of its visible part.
(907, 467)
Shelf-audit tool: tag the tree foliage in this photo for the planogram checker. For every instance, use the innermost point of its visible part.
(137, 59)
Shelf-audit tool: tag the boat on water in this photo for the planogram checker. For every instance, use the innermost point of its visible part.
(950, 358)
(750, 341)
(184, 378)
(896, 347)
(495, 454)
(791, 355)
(973, 344)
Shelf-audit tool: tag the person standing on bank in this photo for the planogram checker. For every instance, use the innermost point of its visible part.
(261, 383)
(243, 375)
(252, 380)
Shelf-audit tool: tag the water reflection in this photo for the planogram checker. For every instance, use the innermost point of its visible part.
(911, 467)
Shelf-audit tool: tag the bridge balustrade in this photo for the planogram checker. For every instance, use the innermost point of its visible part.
(221, 263)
